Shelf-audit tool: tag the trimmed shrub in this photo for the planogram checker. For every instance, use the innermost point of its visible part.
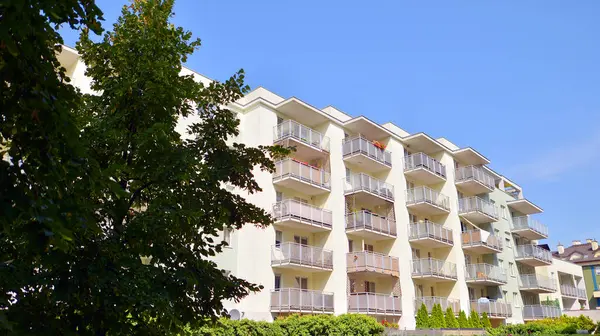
(551, 326)
(474, 319)
(422, 318)
(451, 321)
(437, 317)
(463, 322)
(485, 321)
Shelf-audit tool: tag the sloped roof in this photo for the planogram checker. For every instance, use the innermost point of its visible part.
(585, 250)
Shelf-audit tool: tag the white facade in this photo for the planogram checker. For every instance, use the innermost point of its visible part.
(370, 230)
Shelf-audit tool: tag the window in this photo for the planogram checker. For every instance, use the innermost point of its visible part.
(507, 242)
(368, 247)
(410, 185)
(406, 152)
(370, 287)
(503, 211)
(496, 232)
(352, 286)
(511, 268)
(501, 264)
(432, 291)
(278, 238)
(301, 240)
(482, 292)
(279, 120)
(349, 245)
(471, 293)
(419, 290)
(227, 235)
(504, 295)
(277, 281)
(301, 200)
(412, 218)
(278, 196)
(302, 283)
(516, 299)
(416, 253)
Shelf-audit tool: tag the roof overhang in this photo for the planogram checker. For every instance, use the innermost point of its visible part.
(68, 56)
(367, 128)
(524, 206)
(422, 142)
(302, 112)
(469, 156)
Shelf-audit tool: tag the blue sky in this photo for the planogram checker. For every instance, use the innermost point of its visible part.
(519, 81)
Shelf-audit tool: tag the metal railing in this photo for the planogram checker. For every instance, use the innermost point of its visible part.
(474, 173)
(474, 238)
(537, 281)
(364, 261)
(568, 290)
(366, 220)
(533, 251)
(293, 209)
(296, 299)
(303, 255)
(474, 203)
(430, 230)
(301, 133)
(425, 194)
(430, 301)
(302, 171)
(485, 272)
(492, 308)
(374, 303)
(360, 145)
(424, 161)
(364, 182)
(532, 312)
(526, 222)
(434, 268)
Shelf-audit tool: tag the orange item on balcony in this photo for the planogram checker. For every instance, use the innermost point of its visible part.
(378, 144)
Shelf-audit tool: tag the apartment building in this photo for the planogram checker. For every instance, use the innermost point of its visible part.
(370, 219)
(586, 255)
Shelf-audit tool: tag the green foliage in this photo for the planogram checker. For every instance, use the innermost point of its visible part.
(474, 319)
(552, 326)
(463, 322)
(422, 318)
(451, 321)
(485, 321)
(296, 325)
(437, 317)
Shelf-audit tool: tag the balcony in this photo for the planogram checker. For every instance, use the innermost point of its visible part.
(427, 201)
(295, 300)
(485, 274)
(476, 241)
(423, 168)
(537, 283)
(370, 226)
(375, 304)
(308, 142)
(430, 234)
(302, 177)
(368, 190)
(298, 215)
(301, 257)
(529, 228)
(433, 269)
(366, 154)
(538, 312)
(533, 255)
(373, 263)
(477, 210)
(573, 292)
(430, 301)
(494, 309)
(474, 180)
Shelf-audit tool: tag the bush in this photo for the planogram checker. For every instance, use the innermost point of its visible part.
(551, 326)
(422, 318)
(463, 322)
(437, 317)
(485, 321)
(451, 321)
(474, 320)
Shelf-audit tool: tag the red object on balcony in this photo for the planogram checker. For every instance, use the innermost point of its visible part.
(378, 144)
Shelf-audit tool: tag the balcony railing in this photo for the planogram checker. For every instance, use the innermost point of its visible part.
(427, 195)
(364, 182)
(430, 230)
(572, 291)
(533, 312)
(475, 173)
(366, 261)
(526, 222)
(537, 281)
(301, 300)
(485, 272)
(424, 161)
(434, 268)
(474, 203)
(474, 238)
(430, 301)
(492, 308)
(366, 220)
(291, 129)
(302, 255)
(373, 303)
(302, 171)
(306, 213)
(533, 252)
(360, 145)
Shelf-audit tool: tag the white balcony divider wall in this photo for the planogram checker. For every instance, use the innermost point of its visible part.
(301, 300)
(301, 133)
(424, 161)
(474, 203)
(302, 255)
(483, 272)
(367, 183)
(425, 194)
(533, 251)
(360, 145)
(526, 222)
(434, 267)
(474, 173)
(366, 220)
(301, 171)
(293, 209)
(428, 229)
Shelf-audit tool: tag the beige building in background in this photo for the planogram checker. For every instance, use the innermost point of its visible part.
(371, 219)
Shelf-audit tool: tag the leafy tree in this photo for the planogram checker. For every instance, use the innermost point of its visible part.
(474, 319)
(485, 321)
(437, 317)
(451, 321)
(422, 318)
(463, 322)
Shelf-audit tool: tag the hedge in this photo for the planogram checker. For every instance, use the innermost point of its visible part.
(564, 325)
